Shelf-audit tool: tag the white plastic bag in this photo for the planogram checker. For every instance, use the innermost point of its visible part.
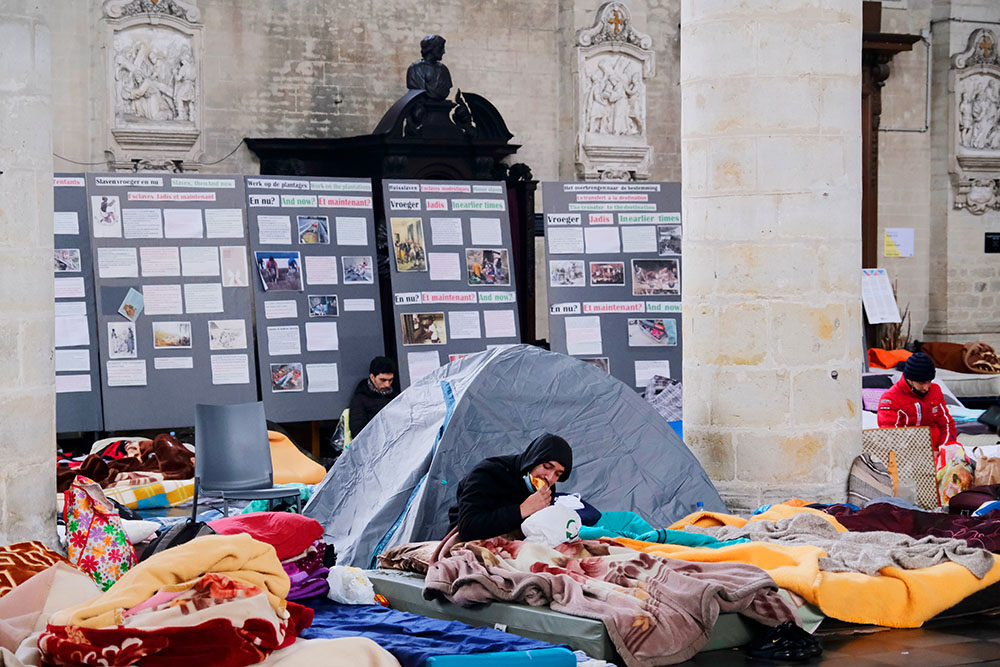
(570, 500)
(552, 526)
(349, 585)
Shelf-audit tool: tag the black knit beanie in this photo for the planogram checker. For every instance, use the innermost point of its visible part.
(919, 368)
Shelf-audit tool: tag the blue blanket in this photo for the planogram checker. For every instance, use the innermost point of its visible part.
(633, 526)
(410, 638)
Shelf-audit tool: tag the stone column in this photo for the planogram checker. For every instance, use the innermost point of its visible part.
(770, 144)
(27, 393)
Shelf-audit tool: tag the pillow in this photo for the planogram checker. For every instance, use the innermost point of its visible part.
(289, 534)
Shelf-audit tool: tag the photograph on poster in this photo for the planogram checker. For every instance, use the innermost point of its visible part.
(313, 229)
(607, 274)
(668, 239)
(167, 335)
(286, 377)
(423, 329)
(121, 340)
(132, 304)
(234, 266)
(567, 273)
(358, 270)
(601, 363)
(652, 332)
(408, 242)
(655, 276)
(323, 305)
(227, 335)
(279, 271)
(67, 260)
(106, 212)
(487, 267)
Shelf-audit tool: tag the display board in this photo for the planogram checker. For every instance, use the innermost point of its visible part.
(613, 263)
(452, 278)
(316, 284)
(78, 378)
(173, 296)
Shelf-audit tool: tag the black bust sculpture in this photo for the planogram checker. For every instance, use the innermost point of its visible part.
(429, 73)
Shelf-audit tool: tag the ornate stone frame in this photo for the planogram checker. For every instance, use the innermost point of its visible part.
(152, 144)
(601, 156)
(975, 171)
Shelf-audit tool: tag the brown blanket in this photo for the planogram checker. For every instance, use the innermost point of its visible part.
(658, 611)
(164, 455)
(19, 562)
(973, 357)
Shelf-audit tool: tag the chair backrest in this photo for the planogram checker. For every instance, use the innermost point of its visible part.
(232, 452)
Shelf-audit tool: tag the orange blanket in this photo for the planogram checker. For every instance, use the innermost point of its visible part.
(880, 358)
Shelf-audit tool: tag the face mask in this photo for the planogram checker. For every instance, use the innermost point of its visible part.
(533, 483)
(916, 391)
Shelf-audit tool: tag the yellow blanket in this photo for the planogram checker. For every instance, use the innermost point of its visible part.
(239, 557)
(898, 598)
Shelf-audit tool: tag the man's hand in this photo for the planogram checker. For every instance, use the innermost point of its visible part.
(538, 500)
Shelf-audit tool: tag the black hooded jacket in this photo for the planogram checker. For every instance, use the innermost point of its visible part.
(490, 497)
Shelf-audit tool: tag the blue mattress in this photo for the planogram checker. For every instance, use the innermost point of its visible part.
(410, 638)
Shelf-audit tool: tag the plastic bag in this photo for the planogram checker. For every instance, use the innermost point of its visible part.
(552, 526)
(570, 500)
(349, 585)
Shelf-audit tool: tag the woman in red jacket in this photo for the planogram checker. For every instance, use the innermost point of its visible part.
(916, 401)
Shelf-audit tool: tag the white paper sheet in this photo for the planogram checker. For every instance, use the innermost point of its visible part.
(583, 335)
(234, 266)
(485, 231)
(69, 288)
(227, 335)
(224, 223)
(63, 308)
(142, 223)
(322, 378)
(274, 229)
(160, 261)
(173, 363)
(641, 238)
(199, 261)
(321, 270)
(565, 240)
(351, 305)
(499, 324)
(422, 363)
(126, 373)
(444, 266)
(230, 369)
(446, 231)
(203, 297)
(68, 384)
(283, 340)
(66, 222)
(72, 360)
(117, 263)
(182, 223)
(602, 240)
(464, 324)
(279, 310)
(321, 336)
(877, 297)
(644, 370)
(72, 330)
(352, 231)
(162, 300)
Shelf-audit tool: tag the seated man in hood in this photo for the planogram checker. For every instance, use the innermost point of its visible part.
(502, 491)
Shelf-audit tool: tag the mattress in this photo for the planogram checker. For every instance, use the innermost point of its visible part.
(970, 385)
(404, 591)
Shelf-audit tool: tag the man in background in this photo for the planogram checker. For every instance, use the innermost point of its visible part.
(372, 394)
(916, 401)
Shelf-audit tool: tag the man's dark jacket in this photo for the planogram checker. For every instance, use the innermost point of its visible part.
(490, 497)
(365, 404)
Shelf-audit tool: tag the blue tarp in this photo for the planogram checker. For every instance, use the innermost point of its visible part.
(410, 638)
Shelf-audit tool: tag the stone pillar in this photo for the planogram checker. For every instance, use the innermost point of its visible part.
(770, 144)
(27, 394)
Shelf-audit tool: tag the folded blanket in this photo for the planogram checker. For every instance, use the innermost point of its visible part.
(290, 534)
(409, 557)
(165, 456)
(975, 357)
(239, 557)
(344, 652)
(866, 553)
(657, 611)
(978, 532)
(306, 573)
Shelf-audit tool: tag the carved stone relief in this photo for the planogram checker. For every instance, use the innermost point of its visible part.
(614, 60)
(154, 82)
(975, 87)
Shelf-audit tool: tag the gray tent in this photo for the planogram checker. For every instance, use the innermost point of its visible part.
(397, 480)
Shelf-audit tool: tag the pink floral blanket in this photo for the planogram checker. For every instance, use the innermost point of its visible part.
(658, 611)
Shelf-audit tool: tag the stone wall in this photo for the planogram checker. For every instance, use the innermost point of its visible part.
(27, 396)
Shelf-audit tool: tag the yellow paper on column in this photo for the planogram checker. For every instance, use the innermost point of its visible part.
(891, 249)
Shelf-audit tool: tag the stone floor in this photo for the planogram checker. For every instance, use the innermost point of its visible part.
(973, 640)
